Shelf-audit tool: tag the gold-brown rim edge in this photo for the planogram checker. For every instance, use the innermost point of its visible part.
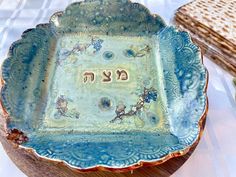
(137, 165)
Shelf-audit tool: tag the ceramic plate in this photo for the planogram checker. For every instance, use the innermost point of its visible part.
(105, 85)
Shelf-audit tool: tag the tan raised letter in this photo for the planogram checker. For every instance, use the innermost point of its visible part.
(122, 75)
(89, 76)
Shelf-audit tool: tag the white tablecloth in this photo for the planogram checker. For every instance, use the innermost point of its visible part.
(215, 156)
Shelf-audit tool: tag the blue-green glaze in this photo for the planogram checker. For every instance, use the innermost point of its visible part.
(144, 98)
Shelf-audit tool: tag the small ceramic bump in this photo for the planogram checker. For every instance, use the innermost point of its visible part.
(94, 22)
(147, 81)
(68, 12)
(185, 123)
(82, 12)
(108, 55)
(189, 75)
(105, 104)
(36, 92)
(104, 157)
(129, 53)
(153, 119)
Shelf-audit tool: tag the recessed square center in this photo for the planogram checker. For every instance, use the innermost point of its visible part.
(106, 83)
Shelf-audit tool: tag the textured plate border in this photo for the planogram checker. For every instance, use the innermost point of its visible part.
(106, 168)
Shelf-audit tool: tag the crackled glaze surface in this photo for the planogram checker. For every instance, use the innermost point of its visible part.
(107, 89)
(102, 67)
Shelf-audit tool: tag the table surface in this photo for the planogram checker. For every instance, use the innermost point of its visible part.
(215, 156)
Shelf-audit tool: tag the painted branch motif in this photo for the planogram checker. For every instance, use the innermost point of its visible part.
(137, 51)
(79, 48)
(63, 110)
(147, 96)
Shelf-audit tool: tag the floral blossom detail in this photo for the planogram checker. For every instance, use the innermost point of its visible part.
(147, 96)
(79, 48)
(63, 109)
(62, 105)
(150, 96)
(97, 44)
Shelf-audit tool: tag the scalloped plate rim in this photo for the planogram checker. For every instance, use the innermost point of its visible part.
(140, 163)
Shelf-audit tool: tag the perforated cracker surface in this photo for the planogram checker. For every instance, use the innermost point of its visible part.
(218, 15)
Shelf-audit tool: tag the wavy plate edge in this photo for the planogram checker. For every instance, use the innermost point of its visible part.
(140, 163)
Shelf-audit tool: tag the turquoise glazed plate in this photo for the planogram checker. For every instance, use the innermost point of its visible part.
(104, 85)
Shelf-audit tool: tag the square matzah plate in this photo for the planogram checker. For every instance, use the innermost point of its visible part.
(105, 85)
